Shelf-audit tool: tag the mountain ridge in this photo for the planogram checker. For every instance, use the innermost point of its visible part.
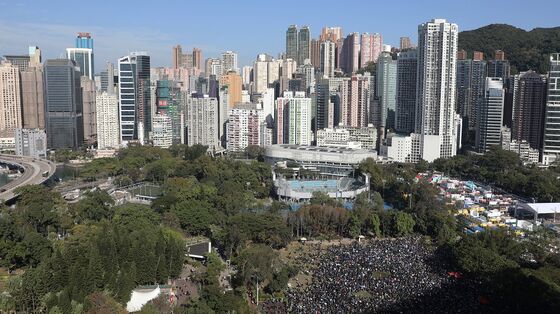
(526, 50)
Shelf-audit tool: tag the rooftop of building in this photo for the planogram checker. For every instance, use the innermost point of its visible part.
(339, 150)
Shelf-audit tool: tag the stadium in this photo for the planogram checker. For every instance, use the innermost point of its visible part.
(298, 171)
(300, 189)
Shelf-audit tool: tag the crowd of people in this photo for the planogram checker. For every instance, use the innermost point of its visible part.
(388, 275)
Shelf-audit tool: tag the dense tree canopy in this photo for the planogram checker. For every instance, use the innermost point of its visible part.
(526, 50)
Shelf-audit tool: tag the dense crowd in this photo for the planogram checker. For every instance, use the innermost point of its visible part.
(392, 275)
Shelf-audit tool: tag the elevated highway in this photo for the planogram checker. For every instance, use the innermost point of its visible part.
(35, 171)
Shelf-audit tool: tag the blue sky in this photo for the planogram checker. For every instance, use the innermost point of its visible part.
(247, 27)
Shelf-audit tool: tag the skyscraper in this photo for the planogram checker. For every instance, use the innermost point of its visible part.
(233, 82)
(162, 134)
(551, 140)
(107, 114)
(328, 56)
(293, 119)
(84, 40)
(370, 48)
(528, 108)
(351, 54)
(489, 124)
(304, 51)
(134, 97)
(176, 56)
(108, 79)
(288, 68)
(63, 104)
(89, 108)
(435, 104)
(405, 43)
(245, 127)
(190, 60)
(331, 33)
(229, 62)
(355, 100)
(471, 79)
(10, 100)
(292, 42)
(366, 47)
(83, 58)
(405, 108)
(386, 90)
(499, 66)
(21, 62)
(197, 59)
(315, 53)
(202, 121)
(260, 74)
(247, 75)
(213, 67)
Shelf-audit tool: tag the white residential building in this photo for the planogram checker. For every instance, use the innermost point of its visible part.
(10, 100)
(202, 121)
(293, 119)
(107, 114)
(435, 106)
(31, 142)
(244, 127)
(162, 131)
(397, 147)
(327, 58)
(229, 62)
(343, 137)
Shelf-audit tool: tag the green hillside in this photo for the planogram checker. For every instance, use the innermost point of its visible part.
(525, 50)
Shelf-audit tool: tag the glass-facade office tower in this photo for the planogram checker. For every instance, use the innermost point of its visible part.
(551, 140)
(528, 108)
(292, 43)
(83, 58)
(489, 119)
(134, 97)
(63, 104)
(84, 40)
(405, 108)
(386, 89)
(304, 40)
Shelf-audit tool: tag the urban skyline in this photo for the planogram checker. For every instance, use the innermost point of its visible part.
(115, 37)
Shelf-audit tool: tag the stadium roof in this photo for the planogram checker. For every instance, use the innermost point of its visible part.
(542, 208)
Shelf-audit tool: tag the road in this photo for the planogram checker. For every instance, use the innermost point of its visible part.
(33, 169)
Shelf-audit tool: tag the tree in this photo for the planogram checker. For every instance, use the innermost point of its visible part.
(257, 261)
(354, 226)
(100, 303)
(194, 216)
(255, 152)
(375, 225)
(95, 205)
(403, 224)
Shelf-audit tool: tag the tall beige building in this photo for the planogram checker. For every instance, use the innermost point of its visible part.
(10, 100)
(89, 109)
(32, 91)
(233, 81)
(331, 33)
